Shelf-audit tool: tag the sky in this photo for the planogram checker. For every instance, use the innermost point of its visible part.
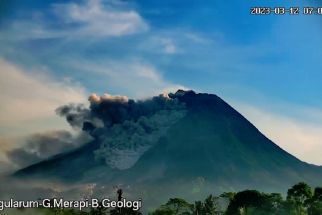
(58, 52)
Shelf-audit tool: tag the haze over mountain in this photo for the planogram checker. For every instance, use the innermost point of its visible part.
(184, 144)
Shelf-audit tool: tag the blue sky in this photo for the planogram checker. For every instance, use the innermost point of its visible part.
(267, 67)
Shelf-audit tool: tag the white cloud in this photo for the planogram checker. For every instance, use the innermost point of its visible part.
(196, 38)
(169, 47)
(133, 77)
(87, 19)
(161, 44)
(29, 99)
(299, 137)
(93, 18)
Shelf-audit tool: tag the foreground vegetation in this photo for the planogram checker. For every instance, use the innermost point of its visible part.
(301, 199)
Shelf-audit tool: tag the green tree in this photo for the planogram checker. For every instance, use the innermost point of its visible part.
(198, 208)
(208, 207)
(163, 211)
(100, 210)
(315, 205)
(317, 194)
(176, 206)
(299, 197)
(179, 205)
(211, 205)
(228, 195)
(272, 203)
(244, 202)
(125, 211)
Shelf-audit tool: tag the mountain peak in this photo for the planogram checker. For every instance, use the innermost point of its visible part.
(181, 92)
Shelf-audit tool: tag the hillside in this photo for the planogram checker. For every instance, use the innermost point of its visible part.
(212, 148)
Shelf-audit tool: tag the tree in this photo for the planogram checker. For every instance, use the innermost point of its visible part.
(163, 211)
(210, 205)
(123, 211)
(272, 203)
(198, 208)
(315, 205)
(100, 210)
(299, 197)
(317, 194)
(175, 206)
(228, 195)
(244, 201)
(315, 208)
(178, 205)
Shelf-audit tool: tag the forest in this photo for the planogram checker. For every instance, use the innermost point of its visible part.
(301, 199)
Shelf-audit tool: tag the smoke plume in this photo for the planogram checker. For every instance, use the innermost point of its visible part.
(124, 127)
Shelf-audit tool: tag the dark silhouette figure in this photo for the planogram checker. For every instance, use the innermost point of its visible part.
(119, 198)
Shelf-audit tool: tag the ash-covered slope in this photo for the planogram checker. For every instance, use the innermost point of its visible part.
(210, 148)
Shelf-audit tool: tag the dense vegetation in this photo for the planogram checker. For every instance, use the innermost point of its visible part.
(300, 200)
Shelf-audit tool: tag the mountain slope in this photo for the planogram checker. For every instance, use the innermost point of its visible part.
(215, 141)
(211, 149)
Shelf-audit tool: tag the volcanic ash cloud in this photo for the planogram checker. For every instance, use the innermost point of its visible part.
(124, 128)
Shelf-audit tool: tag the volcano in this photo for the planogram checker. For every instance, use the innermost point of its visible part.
(211, 149)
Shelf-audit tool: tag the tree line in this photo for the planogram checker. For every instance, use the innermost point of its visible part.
(301, 199)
